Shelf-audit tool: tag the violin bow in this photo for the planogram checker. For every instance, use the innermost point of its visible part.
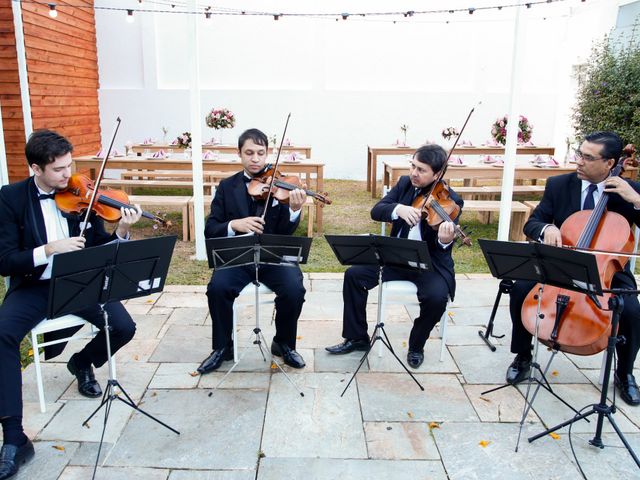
(275, 168)
(99, 179)
(446, 162)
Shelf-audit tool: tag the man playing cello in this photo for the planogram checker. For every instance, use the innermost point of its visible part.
(563, 196)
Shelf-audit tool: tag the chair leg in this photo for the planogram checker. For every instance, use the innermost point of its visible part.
(443, 333)
(233, 333)
(36, 362)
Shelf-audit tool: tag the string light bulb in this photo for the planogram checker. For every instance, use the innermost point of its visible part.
(276, 17)
(130, 16)
(53, 13)
(345, 16)
(471, 10)
(207, 15)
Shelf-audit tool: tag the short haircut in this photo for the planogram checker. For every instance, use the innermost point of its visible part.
(610, 141)
(433, 155)
(258, 137)
(44, 146)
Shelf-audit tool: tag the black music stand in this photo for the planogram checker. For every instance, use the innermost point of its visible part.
(112, 272)
(256, 250)
(504, 287)
(546, 265)
(381, 252)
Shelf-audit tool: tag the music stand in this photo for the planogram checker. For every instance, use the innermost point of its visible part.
(98, 275)
(381, 252)
(256, 250)
(546, 265)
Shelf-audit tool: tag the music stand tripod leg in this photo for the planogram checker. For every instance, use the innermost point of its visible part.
(602, 409)
(377, 335)
(110, 395)
(504, 287)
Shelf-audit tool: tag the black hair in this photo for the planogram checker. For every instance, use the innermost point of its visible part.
(610, 141)
(44, 146)
(433, 155)
(258, 137)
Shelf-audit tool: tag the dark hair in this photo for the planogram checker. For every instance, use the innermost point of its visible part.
(433, 155)
(254, 134)
(610, 141)
(44, 146)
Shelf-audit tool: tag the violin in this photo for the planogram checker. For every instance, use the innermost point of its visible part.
(574, 322)
(437, 207)
(280, 185)
(75, 199)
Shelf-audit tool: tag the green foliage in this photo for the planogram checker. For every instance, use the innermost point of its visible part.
(608, 96)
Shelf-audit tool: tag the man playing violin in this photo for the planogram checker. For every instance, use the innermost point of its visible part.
(32, 231)
(434, 287)
(563, 196)
(235, 212)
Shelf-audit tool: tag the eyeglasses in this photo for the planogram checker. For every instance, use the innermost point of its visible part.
(588, 158)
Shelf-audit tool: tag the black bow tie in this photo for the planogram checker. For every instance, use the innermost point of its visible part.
(44, 196)
(246, 179)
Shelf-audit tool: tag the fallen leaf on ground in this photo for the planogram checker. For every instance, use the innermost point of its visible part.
(194, 374)
(554, 373)
(484, 443)
(433, 425)
(554, 435)
(409, 414)
(58, 447)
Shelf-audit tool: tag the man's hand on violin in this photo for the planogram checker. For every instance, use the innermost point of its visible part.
(64, 245)
(622, 188)
(297, 198)
(409, 214)
(552, 236)
(247, 225)
(446, 232)
(129, 216)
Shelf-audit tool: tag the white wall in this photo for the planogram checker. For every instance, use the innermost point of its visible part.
(347, 83)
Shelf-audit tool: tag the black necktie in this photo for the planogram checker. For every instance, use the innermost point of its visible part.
(589, 202)
(44, 196)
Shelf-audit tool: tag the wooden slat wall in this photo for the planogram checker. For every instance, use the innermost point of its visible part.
(62, 66)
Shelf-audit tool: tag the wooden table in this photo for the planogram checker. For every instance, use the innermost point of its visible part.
(313, 170)
(374, 152)
(139, 149)
(394, 170)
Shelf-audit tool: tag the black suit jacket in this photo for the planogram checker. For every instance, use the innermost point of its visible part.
(231, 202)
(22, 230)
(402, 193)
(562, 197)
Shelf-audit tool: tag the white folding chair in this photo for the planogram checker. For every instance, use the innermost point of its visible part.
(259, 299)
(403, 287)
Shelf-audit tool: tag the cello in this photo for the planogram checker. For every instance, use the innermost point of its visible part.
(574, 322)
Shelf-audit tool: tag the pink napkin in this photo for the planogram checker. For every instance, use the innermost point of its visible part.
(287, 142)
(147, 141)
(159, 154)
(456, 160)
(465, 143)
(208, 155)
(175, 142)
(114, 153)
(528, 144)
(488, 159)
(538, 160)
(493, 143)
(291, 157)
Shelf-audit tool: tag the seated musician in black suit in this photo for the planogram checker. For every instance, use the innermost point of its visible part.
(32, 231)
(563, 196)
(434, 287)
(233, 212)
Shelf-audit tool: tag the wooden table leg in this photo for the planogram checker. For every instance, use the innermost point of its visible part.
(374, 175)
(320, 183)
(518, 220)
(368, 169)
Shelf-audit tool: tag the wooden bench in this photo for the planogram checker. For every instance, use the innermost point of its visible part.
(309, 208)
(129, 185)
(165, 201)
(493, 192)
(519, 214)
(186, 175)
(532, 204)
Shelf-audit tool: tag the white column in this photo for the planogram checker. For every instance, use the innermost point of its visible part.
(196, 130)
(508, 173)
(22, 68)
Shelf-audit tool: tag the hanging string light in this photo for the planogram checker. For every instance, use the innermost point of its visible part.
(53, 13)
(130, 16)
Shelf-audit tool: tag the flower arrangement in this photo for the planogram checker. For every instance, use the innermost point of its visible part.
(219, 118)
(403, 129)
(449, 132)
(499, 130)
(184, 140)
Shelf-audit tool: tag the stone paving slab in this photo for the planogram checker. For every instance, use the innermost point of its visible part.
(479, 315)
(50, 460)
(182, 299)
(148, 326)
(332, 469)
(466, 459)
(236, 380)
(320, 424)
(55, 378)
(189, 316)
(114, 473)
(501, 406)
(218, 432)
(395, 397)
(212, 475)
(33, 420)
(400, 441)
(175, 376)
(85, 455)
(183, 343)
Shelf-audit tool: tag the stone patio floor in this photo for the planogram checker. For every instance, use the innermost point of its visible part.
(257, 426)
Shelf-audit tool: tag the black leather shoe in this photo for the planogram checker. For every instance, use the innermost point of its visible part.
(87, 384)
(518, 370)
(348, 346)
(12, 458)
(629, 391)
(213, 361)
(290, 356)
(415, 359)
